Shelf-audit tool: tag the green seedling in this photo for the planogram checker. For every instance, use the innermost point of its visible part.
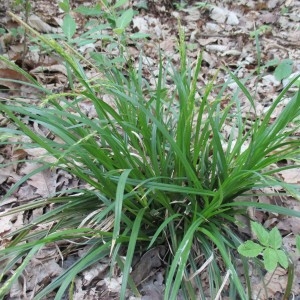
(260, 31)
(65, 6)
(269, 245)
(284, 69)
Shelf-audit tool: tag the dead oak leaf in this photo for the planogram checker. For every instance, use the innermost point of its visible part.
(44, 182)
(26, 192)
(277, 282)
(291, 224)
(11, 79)
(10, 222)
(38, 273)
(37, 23)
(8, 175)
(291, 175)
(149, 261)
(269, 18)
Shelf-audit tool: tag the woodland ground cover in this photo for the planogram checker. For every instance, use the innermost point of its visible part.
(157, 163)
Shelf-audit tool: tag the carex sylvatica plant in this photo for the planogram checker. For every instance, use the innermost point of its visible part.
(158, 167)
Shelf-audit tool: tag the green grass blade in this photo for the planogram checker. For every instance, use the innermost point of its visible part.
(161, 228)
(119, 206)
(64, 280)
(179, 262)
(8, 283)
(130, 251)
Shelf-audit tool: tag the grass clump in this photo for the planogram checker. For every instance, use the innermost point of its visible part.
(160, 170)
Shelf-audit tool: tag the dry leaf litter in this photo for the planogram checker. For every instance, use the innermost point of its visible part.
(222, 29)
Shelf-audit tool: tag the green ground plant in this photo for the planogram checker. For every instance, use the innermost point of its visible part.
(261, 30)
(159, 162)
(106, 22)
(269, 245)
(298, 242)
(284, 69)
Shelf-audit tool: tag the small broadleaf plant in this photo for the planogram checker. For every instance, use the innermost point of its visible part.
(269, 245)
(284, 69)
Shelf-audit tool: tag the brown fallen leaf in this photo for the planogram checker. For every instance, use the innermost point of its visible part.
(44, 182)
(7, 224)
(269, 18)
(291, 175)
(5, 173)
(152, 259)
(8, 75)
(37, 23)
(19, 154)
(277, 282)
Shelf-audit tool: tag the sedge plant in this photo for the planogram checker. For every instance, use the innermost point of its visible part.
(158, 164)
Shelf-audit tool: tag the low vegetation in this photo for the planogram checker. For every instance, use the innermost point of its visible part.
(157, 167)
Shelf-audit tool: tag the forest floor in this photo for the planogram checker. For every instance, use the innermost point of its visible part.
(225, 31)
